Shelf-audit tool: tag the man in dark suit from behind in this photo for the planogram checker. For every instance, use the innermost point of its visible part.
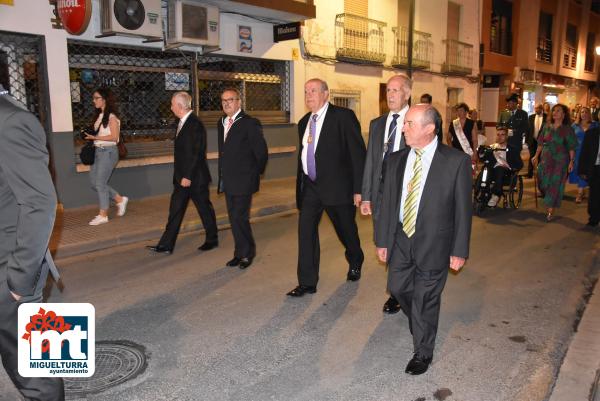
(385, 137)
(330, 172)
(191, 178)
(536, 124)
(424, 226)
(243, 157)
(27, 210)
(589, 169)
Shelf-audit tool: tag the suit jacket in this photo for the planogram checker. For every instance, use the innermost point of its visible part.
(443, 226)
(374, 162)
(531, 121)
(589, 152)
(27, 202)
(242, 157)
(339, 157)
(190, 153)
(519, 123)
(594, 114)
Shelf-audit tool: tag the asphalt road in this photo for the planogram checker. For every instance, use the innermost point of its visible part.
(218, 333)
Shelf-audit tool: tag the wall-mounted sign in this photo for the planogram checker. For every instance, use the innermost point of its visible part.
(177, 81)
(74, 14)
(286, 31)
(245, 39)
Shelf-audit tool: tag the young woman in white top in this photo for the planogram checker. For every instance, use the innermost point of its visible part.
(107, 127)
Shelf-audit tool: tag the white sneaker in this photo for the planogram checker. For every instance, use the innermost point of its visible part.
(96, 221)
(493, 201)
(122, 206)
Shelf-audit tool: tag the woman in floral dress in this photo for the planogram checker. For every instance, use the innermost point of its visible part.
(554, 157)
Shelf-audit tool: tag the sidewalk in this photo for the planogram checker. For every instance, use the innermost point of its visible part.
(146, 219)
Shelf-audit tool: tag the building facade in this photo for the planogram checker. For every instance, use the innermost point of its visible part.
(542, 49)
(355, 45)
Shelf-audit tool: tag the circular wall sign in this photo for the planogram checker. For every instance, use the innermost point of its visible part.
(74, 14)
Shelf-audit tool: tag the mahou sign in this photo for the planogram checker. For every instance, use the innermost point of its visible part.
(74, 14)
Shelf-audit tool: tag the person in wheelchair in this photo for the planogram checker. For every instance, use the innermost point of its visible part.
(502, 167)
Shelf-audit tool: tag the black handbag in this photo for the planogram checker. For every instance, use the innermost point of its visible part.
(88, 153)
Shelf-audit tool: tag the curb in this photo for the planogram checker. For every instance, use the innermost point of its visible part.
(256, 215)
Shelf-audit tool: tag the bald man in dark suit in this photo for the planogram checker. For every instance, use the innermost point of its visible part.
(424, 226)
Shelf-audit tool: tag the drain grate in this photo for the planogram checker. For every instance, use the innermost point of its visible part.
(116, 363)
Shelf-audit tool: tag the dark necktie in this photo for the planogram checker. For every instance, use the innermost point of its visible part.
(391, 136)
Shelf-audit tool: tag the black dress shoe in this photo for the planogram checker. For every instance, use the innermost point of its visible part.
(353, 274)
(245, 262)
(301, 290)
(160, 249)
(234, 262)
(391, 306)
(418, 365)
(207, 246)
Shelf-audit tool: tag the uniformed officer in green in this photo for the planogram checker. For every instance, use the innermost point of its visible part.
(515, 120)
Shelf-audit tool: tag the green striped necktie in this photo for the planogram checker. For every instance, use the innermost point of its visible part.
(411, 202)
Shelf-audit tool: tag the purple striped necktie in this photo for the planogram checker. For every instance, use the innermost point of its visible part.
(311, 166)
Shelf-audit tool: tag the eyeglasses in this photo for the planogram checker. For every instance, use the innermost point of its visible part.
(230, 100)
(97, 97)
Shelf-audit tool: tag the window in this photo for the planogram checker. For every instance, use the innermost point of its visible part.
(349, 99)
(590, 53)
(544, 48)
(501, 27)
(570, 50)
(144, 79)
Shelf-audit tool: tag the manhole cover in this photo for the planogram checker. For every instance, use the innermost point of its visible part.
(116, 363)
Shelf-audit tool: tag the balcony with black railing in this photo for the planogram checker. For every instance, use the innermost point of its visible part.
(459, 57)
(422, 51)
(544, 50)
(359, 39)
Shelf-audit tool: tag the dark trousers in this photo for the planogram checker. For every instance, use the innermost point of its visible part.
(344, 223)
(32, 388)
(418, 290)
(177, 207)
(513, 156)
(532, 149)
(594, 198)
(238, 209)
(501, 175)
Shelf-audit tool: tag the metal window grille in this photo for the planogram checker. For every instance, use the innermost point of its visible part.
(23, 72)
(144, 79)
(349, 99)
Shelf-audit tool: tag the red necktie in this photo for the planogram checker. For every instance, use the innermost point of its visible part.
(229, 124)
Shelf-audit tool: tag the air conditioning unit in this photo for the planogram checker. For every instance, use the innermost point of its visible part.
(192, 23)
(131, 18)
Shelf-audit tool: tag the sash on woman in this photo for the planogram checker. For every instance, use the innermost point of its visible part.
(462, 139)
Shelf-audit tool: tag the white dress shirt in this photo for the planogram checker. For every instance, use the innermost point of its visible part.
(320, 117)
(399, 127)
(182, 121)
(225, 123)
(426, 159)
